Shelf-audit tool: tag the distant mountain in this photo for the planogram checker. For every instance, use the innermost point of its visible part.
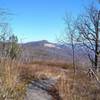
(47, 50)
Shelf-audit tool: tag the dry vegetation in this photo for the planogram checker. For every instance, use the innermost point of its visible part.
(11, 88)
(69, 86)
(14, 78)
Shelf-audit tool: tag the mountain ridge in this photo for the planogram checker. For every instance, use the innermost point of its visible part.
(46, 50)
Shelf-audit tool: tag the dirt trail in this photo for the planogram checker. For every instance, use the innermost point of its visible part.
(39, 90)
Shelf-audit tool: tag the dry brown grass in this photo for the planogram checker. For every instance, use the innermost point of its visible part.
(81, 88)
(11, 88)
(14, 77)
(70, 86)
(53, 62)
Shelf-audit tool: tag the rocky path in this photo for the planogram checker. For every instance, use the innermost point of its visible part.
(40, 90)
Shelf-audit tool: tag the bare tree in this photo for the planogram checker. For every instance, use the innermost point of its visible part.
(4, 37)
(5, 31)
(70, 36)
(88, 27)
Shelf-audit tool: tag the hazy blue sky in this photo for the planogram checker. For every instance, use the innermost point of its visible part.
(40, 19)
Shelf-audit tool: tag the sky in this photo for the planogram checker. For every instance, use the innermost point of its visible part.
(34, 20)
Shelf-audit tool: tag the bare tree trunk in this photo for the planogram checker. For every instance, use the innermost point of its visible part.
(73, 52)
(96, 51)
(97, 43)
